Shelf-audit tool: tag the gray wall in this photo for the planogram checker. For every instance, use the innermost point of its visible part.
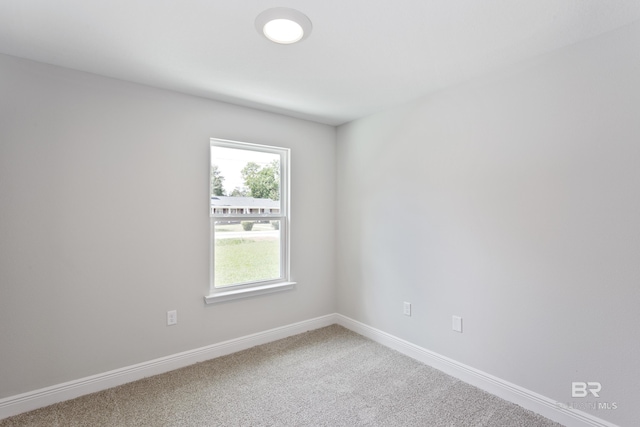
(104, 224)
(514, 202)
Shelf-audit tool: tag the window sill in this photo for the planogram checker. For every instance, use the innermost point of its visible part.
(223, 296)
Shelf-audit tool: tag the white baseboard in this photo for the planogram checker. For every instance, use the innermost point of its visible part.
(535, 402)
(496, 386)
(24, 402)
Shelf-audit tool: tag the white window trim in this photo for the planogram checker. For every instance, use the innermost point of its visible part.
(224, 294)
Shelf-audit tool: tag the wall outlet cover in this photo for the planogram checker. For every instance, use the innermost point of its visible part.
(172, 317)
(407, 309)
(457, 323)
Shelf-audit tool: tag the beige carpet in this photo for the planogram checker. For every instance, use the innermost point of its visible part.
(327, 377)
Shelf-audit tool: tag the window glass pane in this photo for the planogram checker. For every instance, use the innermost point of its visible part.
(244, 182)
(246, 251)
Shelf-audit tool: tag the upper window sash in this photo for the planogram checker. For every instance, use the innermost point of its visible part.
(262, 204)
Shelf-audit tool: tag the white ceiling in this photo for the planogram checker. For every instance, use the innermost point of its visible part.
(362, 56)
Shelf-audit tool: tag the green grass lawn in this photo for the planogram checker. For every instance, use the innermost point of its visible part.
(246, 260)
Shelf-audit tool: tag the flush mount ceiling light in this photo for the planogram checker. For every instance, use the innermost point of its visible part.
(283, 25)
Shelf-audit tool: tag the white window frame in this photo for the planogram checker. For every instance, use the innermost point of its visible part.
(283, 283)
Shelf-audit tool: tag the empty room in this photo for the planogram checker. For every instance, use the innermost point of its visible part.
(301, 213)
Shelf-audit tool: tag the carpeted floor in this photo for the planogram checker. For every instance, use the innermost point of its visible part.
(327, 377)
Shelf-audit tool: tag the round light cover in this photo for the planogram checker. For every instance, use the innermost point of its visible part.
(283, 25)
(283, 31)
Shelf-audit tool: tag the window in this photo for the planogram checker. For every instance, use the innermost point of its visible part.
(249, 216)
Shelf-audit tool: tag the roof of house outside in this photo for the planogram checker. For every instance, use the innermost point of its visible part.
(246, 202)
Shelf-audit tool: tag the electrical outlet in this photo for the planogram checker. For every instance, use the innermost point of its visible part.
(407, 309)
(457, 324)
(172, 317)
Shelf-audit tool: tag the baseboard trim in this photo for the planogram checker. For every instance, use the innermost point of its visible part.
(496, 386)
(528, 399)
(29, 401)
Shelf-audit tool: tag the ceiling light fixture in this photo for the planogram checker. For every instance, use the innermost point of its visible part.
(283, 25)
